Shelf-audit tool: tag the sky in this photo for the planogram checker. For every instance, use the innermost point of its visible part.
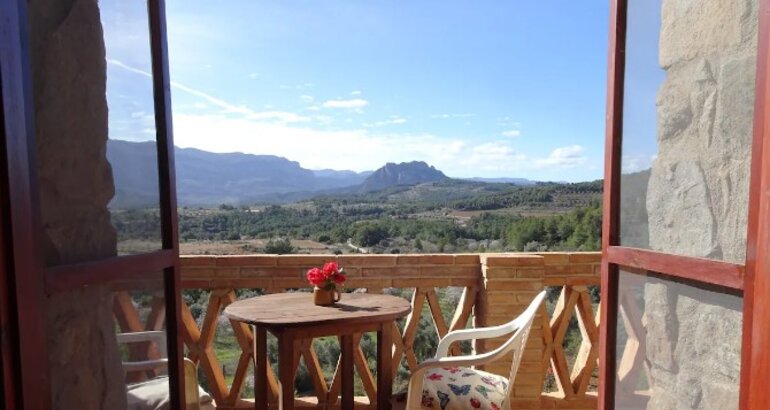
(476, 89)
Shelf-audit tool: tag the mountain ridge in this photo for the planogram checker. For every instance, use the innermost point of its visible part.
(208, 179)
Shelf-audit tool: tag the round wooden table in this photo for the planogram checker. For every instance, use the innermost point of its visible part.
(293, 316)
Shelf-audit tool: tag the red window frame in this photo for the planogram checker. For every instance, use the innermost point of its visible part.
(751, 278)
(24, 281)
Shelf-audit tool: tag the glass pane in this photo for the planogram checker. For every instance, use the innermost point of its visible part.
(139, 319)
(131, 149)
(687, 126)
(679, 345)
(95, 130)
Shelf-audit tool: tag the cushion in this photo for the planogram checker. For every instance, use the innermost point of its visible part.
(153, 395)
(461, 388)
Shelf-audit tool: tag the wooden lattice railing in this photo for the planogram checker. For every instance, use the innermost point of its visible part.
(494, 289)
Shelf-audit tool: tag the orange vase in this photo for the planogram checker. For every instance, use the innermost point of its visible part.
(324, 297)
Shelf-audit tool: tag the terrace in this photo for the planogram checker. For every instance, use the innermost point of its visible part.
(493, 288)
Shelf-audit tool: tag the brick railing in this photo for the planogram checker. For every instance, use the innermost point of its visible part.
(495, 289)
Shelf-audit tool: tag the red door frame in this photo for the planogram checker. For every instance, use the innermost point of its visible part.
(755, 359)
(23, 278)
(24, 351)
(751, 278)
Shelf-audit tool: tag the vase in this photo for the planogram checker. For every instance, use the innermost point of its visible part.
(325, 297)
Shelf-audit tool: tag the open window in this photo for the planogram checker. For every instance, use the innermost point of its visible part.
(684, 227)
(77, 79)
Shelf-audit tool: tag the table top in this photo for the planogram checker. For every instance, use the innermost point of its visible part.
(297, 309)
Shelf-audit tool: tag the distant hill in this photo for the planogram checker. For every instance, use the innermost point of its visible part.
(515, 181)
(405, 173)
(210, 179)
(330, 178)
(206, 178)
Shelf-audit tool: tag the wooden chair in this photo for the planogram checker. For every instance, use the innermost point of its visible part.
(154, 394)
(453, 383)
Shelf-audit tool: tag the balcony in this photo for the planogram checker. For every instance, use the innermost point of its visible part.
(492, 289)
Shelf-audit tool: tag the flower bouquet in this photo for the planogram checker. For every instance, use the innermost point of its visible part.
(325, 281)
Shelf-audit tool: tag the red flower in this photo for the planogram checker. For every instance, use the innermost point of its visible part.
(435, 376)
(495, 406)
(315, 277)
(327, 277)
(330, 269)
(475, 403)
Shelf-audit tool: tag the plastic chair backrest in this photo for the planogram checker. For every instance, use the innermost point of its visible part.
(517, 342)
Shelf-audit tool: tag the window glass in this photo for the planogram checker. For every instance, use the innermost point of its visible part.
(678, 345)
(687, 126)
(95, 129)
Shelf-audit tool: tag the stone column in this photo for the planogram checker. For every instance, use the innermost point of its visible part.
(69, 80)
(697, 196)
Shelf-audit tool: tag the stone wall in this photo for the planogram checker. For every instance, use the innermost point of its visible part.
(69, 80)
(697, 196)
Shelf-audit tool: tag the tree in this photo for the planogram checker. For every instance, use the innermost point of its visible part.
(370, 234)
(279, 246)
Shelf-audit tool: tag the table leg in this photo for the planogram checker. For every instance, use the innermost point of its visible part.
(260, 368)
(286, 369)
(384, 369)
(346, 367)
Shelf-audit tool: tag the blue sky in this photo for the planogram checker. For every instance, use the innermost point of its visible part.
(484, 88)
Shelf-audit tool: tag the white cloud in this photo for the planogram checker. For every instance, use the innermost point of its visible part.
(354, 103)
(228, 127)
(306, 98)
(565, 157)
(395, 120)
(355, 92)
(253, 75)
(636, 163)
(511, 133)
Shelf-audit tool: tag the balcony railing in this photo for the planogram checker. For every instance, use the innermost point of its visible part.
(493, 289)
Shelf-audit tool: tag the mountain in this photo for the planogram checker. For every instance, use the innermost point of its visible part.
(405, 173)
(330, 178)
(206, 178)
(515, 181)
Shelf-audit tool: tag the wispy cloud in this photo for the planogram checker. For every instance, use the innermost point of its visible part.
(228, 107)
(394, 120)
(511, 133)
(354, 103)
(357, 92)
(307, 98)
(565, 157)
(253, 75)
(221, 126)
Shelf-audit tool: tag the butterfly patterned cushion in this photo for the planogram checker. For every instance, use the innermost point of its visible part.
(460, 388)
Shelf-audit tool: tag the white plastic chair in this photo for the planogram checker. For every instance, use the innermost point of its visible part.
(519, 328)
(153, 394)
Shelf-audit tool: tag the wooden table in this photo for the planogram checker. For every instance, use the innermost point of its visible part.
(293, 316)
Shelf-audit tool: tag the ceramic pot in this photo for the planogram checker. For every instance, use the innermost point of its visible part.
(323, 297)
